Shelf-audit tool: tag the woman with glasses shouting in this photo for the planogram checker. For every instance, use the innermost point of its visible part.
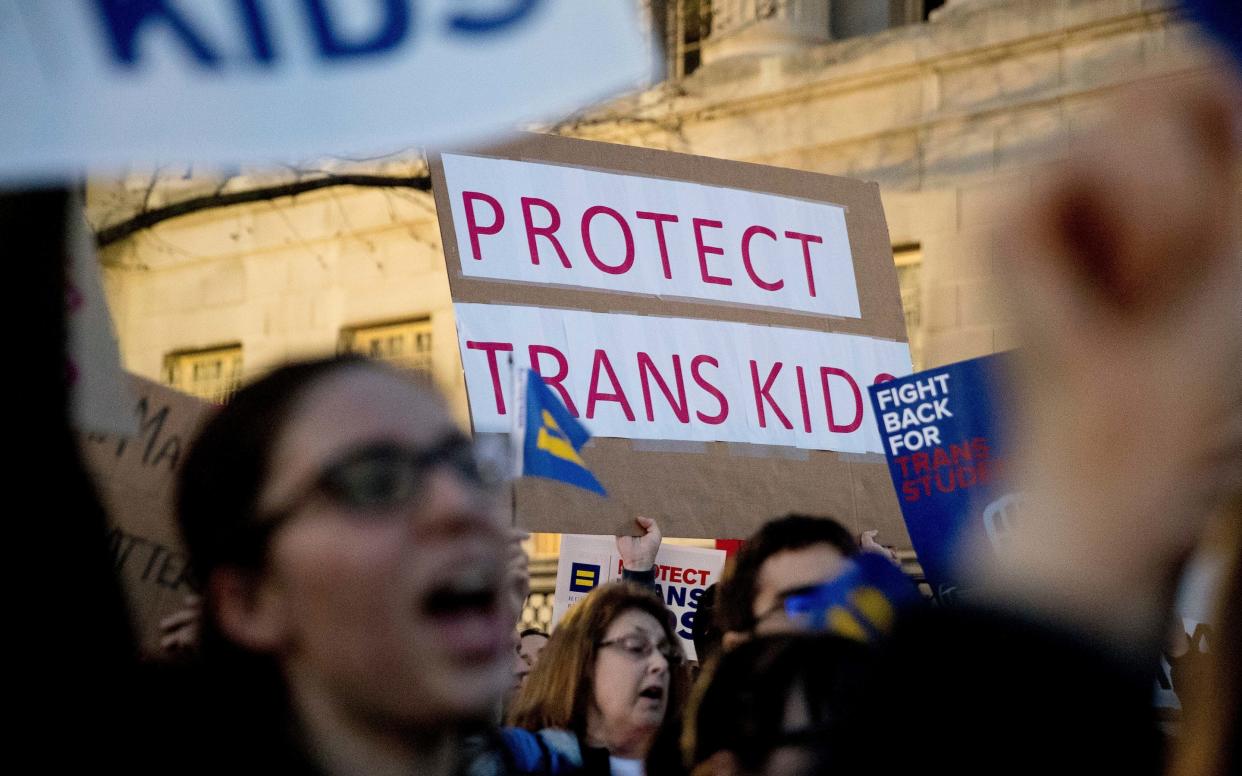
(613, 677)
(353, 561)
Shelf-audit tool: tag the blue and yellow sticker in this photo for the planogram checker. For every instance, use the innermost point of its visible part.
(583, 577)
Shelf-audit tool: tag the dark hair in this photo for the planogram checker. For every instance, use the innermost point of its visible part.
(559, 688)
(739, 704)
(791, 532)
(221, 480)
(705, 632)
(219, 485)
(532, 632)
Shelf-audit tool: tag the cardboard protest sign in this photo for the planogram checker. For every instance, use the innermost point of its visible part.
(111, 83)
(946, 459)
(682, 574)
(136, 478)
(714, 324)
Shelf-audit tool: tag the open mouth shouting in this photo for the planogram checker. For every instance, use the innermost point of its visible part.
(465, 610)
(655, 693)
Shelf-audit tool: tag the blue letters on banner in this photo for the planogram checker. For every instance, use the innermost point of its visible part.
(477, 24)
(940, 438)
(125, 22)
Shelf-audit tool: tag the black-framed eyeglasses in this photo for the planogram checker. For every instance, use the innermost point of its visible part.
(779, 609)
(377, 478)
(640, 648)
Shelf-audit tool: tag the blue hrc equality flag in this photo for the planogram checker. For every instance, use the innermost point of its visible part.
(861, 603)
(552, 438)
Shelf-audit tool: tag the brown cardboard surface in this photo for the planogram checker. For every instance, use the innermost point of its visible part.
(136, 479)
(721, 491)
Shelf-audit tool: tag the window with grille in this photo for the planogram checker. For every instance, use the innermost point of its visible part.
(909, 260)
(686, 25)
(406, 343)
(212, 373)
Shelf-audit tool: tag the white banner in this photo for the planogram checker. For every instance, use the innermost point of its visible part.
(555, 225)
(109, 83)
(682, 573)
(641, 377)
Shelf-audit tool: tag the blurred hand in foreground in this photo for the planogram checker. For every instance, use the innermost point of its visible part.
(1126, 280)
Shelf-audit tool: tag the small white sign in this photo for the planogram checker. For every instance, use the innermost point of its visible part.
(682, 573)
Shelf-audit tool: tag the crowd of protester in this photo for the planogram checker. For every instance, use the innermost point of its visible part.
(360, 590)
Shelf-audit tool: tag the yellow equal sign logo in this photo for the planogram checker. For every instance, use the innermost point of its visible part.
(583, 577)
(552, 440)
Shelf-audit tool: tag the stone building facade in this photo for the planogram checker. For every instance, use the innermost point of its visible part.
(950, 106)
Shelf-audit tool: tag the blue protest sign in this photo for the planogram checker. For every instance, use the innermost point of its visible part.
(940, 437)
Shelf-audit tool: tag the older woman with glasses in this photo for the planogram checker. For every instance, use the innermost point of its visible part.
(613, 676)
(356, 616)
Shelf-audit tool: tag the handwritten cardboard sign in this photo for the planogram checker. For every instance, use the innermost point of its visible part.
(136, 477)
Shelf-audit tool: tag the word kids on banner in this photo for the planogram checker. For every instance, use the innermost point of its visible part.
(682, 574)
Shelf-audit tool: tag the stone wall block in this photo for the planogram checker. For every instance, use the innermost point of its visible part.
(1094, 62)
(979, 304)
(1004, 78)
(967, 255)
(957, 151)
(223, 283)
(990, 203)
(955, 345)
(1005, 337)
(1031, 137)
(267, 274)
(941, 305)
(915, 216)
